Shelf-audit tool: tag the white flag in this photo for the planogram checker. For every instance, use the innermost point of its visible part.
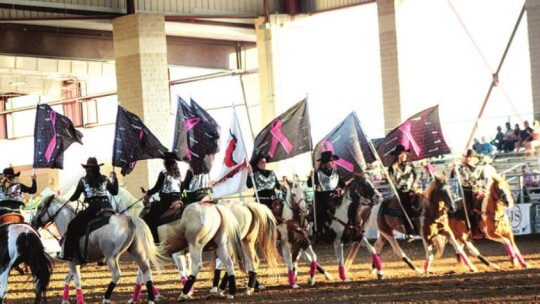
(234, 172)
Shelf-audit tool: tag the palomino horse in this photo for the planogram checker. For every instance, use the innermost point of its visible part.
(349, 220)
(202, 225)
(257, 226)
(293, 232)
(20, 243)
(122, 233)
(433, 204)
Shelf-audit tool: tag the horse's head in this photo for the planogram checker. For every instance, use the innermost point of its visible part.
(295, 198)
(499, 191)
(44, 213)
(362, 190)
(439, 190)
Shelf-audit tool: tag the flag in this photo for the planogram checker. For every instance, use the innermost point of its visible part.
(348, 141)
(196, 136)
(133, 141)
(286, 136)
(234, 172)
(421, 133)
(53, 134)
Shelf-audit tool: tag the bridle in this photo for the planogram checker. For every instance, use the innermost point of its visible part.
(52, 217)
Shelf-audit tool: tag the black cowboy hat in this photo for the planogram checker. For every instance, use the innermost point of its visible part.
(170, 155)
(398, 149)
(8, 172)
(255, 160)
(327, 156)
(91, 162)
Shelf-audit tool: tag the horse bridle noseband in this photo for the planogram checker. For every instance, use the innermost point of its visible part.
(52, 217)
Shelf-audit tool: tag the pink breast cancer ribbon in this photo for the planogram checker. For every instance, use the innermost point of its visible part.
(278, 136)
(189, 124)
(407, 139)
(52, 143)
(340, 162)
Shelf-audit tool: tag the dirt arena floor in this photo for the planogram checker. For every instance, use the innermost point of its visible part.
(447, 284)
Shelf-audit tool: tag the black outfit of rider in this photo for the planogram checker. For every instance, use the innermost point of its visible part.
(170, 191)
(266, 183)
(404, 177)
(97, 199)
(12, 196)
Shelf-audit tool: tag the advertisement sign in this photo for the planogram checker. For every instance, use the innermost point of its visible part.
(535, 218)
(520, 218)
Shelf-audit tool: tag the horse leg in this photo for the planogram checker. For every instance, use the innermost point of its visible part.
(76, 271)
(506, 242)
(287, 256)
(338, 247)
(313, 265)
(397, 250)
(217, 275)
(476, 253)
(224, 255)
(181, 260)
(112, 263)
(459, 251)
(320, 269)
(375, 259)
(517, 253)
(196, 252)
(138, 286)
(4, 281)
(249, 257)
(428, 246)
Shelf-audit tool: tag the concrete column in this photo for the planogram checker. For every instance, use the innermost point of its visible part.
(533, 19)
(140, 51)
(389, 64)
(266, 70)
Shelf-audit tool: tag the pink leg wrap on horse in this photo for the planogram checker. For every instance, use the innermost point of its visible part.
(376, 261)
(65, 296)
(510, 250)
(80, 298)
(426, 265)
(137, 293)
(156, 291)
(312, 269)
(521, 260)
(292, 279)
(342, 272)
(465, 260)
(183, 280)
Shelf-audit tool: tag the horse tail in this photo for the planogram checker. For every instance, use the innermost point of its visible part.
(268, 236)
(232, 230)
(143, 235)
(32, 253)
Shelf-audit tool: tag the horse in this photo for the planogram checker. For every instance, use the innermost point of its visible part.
(349, 220)
(204, 225)
(291, 216)
(433, 202)
(19, 242)
(257, 226)
(494, 221)
(122, 233)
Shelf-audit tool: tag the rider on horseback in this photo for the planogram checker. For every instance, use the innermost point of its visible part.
(403, 175)
(327, 180)
(11, 191)
(169, 185)
(266, 181)
(472, 180)
(95, 187)
(197, 181)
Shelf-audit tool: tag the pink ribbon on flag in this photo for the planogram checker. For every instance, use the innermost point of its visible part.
(278, 136)
(52, 143)
(407, 139)
(340, 162)
(189, 124)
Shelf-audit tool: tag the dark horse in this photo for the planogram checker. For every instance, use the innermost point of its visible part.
(20, 243)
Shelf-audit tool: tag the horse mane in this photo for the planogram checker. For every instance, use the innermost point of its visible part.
(432, 187)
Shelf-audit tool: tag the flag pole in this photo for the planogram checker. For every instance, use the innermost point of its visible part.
(385, 170)
(312, 176)
(245, 150)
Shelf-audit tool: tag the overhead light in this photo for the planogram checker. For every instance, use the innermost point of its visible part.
(17, 83)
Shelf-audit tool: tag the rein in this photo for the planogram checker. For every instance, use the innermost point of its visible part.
(129, 207)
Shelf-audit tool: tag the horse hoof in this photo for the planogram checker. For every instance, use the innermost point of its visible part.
(250, 291)
(157, 297)
(261, 287)
(130, 301)
(328, 276)
(311, 281)
(65, 302)
(184, 297)
(151, 302)
(230, 297)
(105, 301)
(295, 286)
(214, 290)
(221, 293)
(346, 280)
(494, 266)
(380, 276)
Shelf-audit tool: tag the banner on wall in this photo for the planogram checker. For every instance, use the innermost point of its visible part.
(520, 218)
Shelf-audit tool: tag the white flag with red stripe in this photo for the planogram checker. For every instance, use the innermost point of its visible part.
(234, 172)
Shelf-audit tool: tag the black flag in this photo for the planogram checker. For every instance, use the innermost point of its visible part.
(133, 141)
(348, 141)
(196, 136)
(421, 133)
(53, 134)
(286, 136)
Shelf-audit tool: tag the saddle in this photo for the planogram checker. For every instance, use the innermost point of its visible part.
(102, 218)
(171, 215)
(11, 218)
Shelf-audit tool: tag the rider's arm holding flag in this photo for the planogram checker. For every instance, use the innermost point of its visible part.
(112, 187)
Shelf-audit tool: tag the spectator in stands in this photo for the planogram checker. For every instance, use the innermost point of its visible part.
(484, 147)
(476, 145)
(524, 136)
(499, 140)
(530, 183)
(509, 139)
(531, 146)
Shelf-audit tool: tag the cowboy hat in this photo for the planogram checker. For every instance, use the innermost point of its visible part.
(91, 162)
(255, 160)
(8, 172)
(399, 149)
(327, 156)
(170, 155)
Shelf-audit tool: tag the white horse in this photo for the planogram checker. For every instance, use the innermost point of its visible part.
(20, 243)
(257, 226)
(358, 198)
(294, 236)
(204, 225)
(122, 233)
